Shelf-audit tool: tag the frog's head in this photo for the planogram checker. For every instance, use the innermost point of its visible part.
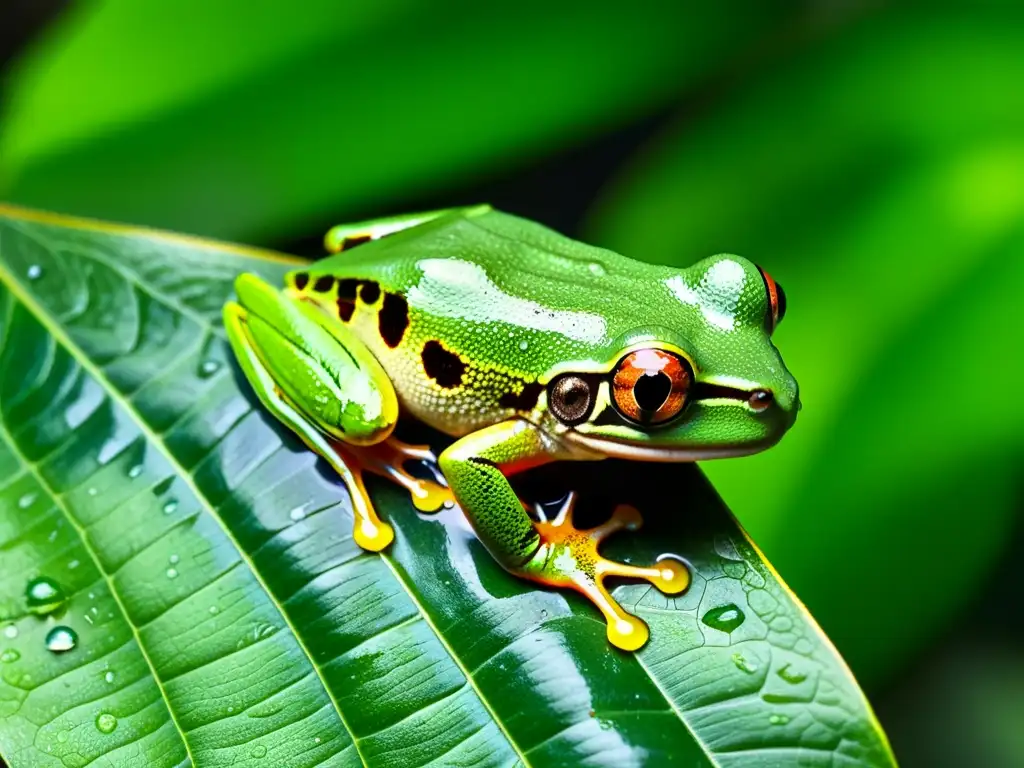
(701, 380)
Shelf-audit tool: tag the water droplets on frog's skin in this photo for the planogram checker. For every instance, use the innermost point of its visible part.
(778, 719)
(725, 618)
(44, 596)
(742, 664)
(105, 722)
(61, 639)
(27, 500)
(524, 345)
(34, 272)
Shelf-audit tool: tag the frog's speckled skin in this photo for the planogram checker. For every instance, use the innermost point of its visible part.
(465, 318)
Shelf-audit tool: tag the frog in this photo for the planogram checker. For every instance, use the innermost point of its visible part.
(525, 347)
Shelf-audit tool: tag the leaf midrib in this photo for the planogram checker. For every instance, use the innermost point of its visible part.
(44, 318)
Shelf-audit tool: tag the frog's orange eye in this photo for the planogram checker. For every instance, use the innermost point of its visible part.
(650, 385)
(776, 301)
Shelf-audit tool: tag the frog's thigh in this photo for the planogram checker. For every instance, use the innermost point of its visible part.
(370, 532)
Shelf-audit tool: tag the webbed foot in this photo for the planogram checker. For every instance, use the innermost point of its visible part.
(569, 557)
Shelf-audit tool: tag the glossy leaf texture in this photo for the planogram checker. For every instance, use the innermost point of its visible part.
(295, 118)
(877, 177)
(224, 615)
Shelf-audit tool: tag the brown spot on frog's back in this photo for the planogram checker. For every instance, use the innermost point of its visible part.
(393, 319)
(444, 367)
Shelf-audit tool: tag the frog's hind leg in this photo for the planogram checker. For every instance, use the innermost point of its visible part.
(387, 459)
(370, 532)
(345, 236)
(550, 552)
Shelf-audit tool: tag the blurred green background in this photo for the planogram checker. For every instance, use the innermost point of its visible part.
(869, 155)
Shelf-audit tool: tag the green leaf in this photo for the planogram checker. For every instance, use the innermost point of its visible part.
(225, 616)
(876, 176)
(245, 119)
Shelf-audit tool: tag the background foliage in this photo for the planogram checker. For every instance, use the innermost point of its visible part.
(868, 155)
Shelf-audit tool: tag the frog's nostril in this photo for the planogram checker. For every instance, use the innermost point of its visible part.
(760, 399)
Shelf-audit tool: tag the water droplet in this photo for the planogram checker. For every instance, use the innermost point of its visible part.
(298, 513)
(208, 368)
(35, 272)
(135, 471)
(43, 596)
(725, 617)
(88, 619)
(173, 559)
(778, 719)
(170, 506)
(106, 722)
(92, 491)
(214, 609)
(9, 655)
(524, 345)
(27, 500)
(742, 664)
(793, 678)
(108, 677)
(10, 631)
(72, 564)
(172, 573)
(62, 736)
(258, 751)
(60, 639)
(316, 740)
(596, 268)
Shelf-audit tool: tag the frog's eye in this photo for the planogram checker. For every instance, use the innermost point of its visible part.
(776, 301)
(650, 385)
(571, 398)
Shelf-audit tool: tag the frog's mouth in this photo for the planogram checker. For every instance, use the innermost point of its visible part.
(611, 447)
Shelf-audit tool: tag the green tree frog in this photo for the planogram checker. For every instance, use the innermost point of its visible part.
(528, 347)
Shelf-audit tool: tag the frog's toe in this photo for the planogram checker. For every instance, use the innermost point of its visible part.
(568, 557)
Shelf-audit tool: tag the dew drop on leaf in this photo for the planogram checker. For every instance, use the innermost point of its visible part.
(43, 596)
(172, 573)
(26, 501)
(61, 639)
(170, 506)
(108, 677)
(9, 655)
(35, 272)
(208, 368)
(106, 722)
(778, 719)
(10, 631)
(742, 664)
(173, 559)
(524, 345)
(258, 751)
(725, 618)
(135, 471)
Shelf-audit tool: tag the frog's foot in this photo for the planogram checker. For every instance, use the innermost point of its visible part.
(387, 459)
(568, 557)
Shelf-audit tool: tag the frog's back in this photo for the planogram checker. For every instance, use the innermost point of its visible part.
(483, 305)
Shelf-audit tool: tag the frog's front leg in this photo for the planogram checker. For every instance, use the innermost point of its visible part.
(549, 552)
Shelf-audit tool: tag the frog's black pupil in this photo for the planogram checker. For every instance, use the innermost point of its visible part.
(651, 391)
(781, 296)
